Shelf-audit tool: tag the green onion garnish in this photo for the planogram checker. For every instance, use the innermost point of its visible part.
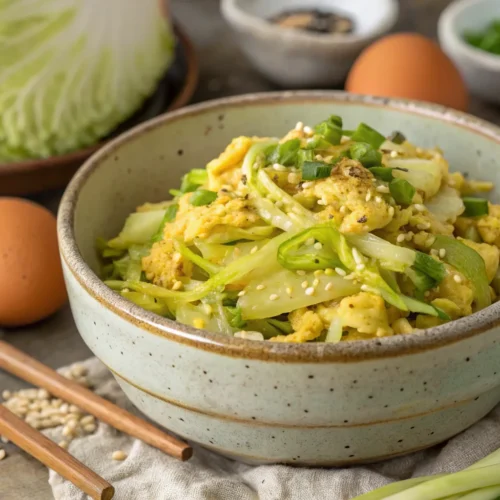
(203, 197)
(402, 191)
(475, 207)
(364, 133)
(313, 170)
(487, 40)
(169, 216)
(330, 129)
(397, 137)
(285, 153)
(365, 154)
(382, 173)
(429, 266)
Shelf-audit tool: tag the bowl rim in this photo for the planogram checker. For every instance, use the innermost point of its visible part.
(359, 350)
(446, 29)
(233, 13)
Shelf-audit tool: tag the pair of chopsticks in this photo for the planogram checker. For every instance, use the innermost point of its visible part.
(50, 454)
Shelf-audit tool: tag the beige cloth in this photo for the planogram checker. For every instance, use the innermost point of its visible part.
(148, 474)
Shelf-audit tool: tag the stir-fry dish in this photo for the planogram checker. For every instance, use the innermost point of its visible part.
(325, 235)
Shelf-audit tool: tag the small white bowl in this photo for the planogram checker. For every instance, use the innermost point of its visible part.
(480, 69)
(295, 58)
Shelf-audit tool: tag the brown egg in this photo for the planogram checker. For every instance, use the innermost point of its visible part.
(411, 66)
(31, 280)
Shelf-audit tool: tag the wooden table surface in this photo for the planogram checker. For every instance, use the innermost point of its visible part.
(224, 71)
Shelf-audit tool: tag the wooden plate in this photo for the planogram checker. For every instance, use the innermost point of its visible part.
(174, 91)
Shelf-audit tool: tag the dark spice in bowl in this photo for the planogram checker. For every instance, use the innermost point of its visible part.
(314, 20)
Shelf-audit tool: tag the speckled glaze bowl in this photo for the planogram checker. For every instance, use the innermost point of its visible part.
(261, 402)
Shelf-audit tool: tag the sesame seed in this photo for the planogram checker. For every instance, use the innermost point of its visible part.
(401, 237)
(378, 199)
(119, 455)
(382, 189)
(368, 196)
(423, 226)
(289, 290)
(304, 284)
(350, 276)
(299, 126)
(279, 204)
(434, 252)
(273, 296)
(340, 271)
(260, 287)
(342, 209)
(321, 202)
(254, 249)
(419, 207)
(457, 278)
(391, 211)
(328, 287)
(442, 253)
(307, 184)
(394, 154)
(308, 130)
(4, 440)
(293, 178)
(357, 256)
(2, 454)
(63, 444)
(409, 236)
(300, 272)
(318, 157)
(318, 245)
(278, 167)
(360, 267)
(316, 282)
(207, 308)
(310, 291)
(6, 394)
(177, 285)
(328, 271)
(310, 241)
(318, 272)
(365, 288)
(240, 294)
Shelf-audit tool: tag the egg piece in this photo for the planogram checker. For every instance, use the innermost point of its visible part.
(31, 279)
(411, 66)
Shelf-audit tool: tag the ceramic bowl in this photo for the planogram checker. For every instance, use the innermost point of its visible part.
(294, 58)
(480, 69)
(264, 402)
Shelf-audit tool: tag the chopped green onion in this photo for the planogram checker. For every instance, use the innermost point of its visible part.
(429, 266)
(284, 326)
(475, 207)
(330, 129)
(235, 319)
(313, 170)
(170, 214)
(365, 154)
(382, 173)
(284, 153)
(422, 281)
(402, 191)
(397, 137)
(317, 142)
(193, 179)
(202, 197)
(209, 267)
(417, 306)
(441, 314)
(364, 133)
(304, 155)
(468, 262)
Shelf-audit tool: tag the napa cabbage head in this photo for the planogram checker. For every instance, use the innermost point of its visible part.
(72, 70)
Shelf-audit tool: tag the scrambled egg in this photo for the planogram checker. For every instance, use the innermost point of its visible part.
(307, 325)
(350, 190)
(164, 266)
(489, 253)
(197, 222)
(488, 226)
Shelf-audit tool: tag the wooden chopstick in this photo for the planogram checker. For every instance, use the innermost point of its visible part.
(29, 369)
(53, 456)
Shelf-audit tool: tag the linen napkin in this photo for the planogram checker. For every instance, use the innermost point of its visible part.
(148, 474)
